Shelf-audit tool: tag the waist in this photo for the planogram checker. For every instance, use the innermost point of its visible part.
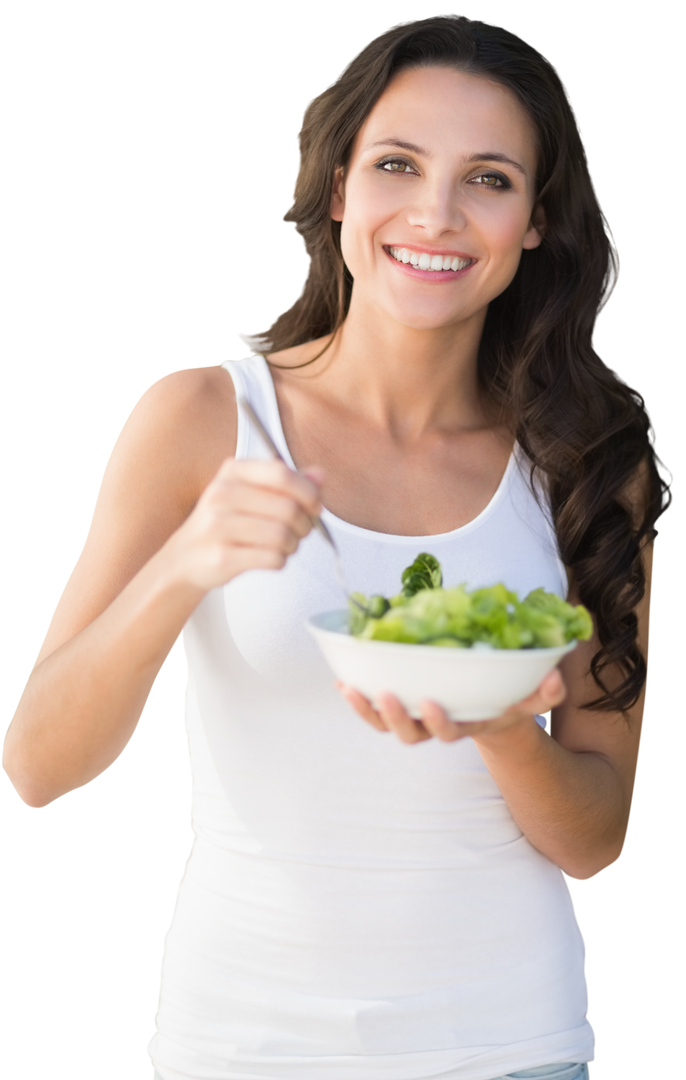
(373, 931)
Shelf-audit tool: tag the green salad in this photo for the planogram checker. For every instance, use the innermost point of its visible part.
(425, 613)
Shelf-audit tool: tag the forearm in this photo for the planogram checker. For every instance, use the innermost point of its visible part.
(83, 701)
(570, 806)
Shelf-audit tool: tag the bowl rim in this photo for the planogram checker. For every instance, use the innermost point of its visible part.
(315, 628)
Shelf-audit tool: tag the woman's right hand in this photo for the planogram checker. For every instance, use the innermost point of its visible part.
(252, 515)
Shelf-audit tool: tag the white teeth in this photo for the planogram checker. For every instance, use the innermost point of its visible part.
(424, 261)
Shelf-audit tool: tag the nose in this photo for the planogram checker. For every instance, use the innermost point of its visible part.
(437, 209)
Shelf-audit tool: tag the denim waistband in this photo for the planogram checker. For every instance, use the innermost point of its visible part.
(567, 1071)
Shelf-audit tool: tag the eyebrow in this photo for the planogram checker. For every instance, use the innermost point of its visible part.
(489, 155)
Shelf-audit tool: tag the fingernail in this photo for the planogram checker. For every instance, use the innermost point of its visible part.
(314, 474)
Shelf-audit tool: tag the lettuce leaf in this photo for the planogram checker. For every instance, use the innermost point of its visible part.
(426, 613)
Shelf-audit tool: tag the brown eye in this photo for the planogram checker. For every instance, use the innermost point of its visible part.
(490, 180)
(395, 165)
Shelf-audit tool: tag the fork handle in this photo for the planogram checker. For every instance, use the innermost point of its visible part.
(274, 451)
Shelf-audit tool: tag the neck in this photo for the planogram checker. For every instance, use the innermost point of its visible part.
(407, 379)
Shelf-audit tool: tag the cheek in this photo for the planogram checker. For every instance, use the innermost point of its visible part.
(356, 245)
(368, 207)
(503, 240)
(508, 229)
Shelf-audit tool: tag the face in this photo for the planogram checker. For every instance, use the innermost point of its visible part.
(436, 203)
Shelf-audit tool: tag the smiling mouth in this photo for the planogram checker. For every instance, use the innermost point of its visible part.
(424, 261)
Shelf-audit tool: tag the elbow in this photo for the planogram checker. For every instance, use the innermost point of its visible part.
(588, 864)
(37, 783)
(29, 793)
(34, 797)
(608, 851)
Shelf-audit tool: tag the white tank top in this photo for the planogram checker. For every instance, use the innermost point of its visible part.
(354, 907)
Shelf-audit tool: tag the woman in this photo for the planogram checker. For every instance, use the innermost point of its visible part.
(354, 906)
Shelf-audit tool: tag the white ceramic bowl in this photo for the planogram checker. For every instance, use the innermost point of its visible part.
(470, 684)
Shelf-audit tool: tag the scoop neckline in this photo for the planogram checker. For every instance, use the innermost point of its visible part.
(277, 433)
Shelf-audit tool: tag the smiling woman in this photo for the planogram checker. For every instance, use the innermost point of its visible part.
(358, 905)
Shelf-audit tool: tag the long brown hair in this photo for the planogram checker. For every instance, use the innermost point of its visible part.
(580, 425)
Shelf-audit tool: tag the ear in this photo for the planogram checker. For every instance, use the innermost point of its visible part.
(338, 195)
(537, 229)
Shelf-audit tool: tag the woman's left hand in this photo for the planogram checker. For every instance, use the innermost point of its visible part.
(391, 716)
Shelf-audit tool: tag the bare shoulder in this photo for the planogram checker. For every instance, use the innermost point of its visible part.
(199, 392)
(187, 424)
(170, 448)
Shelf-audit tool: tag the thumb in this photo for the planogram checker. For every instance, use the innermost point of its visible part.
(553, 685)
(315, 474)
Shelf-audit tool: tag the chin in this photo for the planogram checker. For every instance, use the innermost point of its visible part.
(424, 318)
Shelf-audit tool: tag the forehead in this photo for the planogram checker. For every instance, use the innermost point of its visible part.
(444, 109)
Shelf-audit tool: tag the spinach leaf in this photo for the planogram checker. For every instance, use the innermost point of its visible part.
(425, 573)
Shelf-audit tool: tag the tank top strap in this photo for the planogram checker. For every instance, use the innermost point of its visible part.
(252, 380)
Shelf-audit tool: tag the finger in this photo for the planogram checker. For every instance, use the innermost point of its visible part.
(242, 498)
(438, 724)
(553, 686)
(362, 706)
(233, 495)
(315, 474)
(275, 475)
(397, 719)
(549, 693)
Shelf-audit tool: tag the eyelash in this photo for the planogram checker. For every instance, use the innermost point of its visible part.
(502, 185)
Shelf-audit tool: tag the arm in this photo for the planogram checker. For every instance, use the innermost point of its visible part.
(176, 516)
(569, 794)
(573, 806)
(120, 611)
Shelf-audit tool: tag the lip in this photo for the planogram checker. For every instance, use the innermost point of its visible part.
(430, 275)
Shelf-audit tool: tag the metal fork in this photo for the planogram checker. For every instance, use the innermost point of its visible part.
(315, 519)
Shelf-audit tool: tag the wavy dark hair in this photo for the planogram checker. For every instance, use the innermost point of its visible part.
(580, 425)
